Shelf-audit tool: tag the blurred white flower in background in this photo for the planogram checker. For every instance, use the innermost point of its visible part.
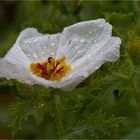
(61, 60)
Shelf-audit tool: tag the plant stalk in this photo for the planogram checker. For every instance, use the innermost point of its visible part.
(58, 116)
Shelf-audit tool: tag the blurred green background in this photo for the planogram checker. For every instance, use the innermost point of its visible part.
(121, 86)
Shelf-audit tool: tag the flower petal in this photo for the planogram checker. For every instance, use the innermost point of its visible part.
(95, 57)
(77, 39)
(15, 54)
(13, 71)
(67, 84)
(41, 47)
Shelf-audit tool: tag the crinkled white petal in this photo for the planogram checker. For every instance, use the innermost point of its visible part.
(41, 47)
(15, 54)
(13, 71)
(77, 39)
(95, 57)
(67, 84)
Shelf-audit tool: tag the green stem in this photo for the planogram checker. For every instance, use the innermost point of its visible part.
(137, 94)
(58, 116)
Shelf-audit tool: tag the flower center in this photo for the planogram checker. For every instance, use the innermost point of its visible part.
(51, 69)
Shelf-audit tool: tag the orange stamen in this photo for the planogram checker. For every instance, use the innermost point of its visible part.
(51, 69)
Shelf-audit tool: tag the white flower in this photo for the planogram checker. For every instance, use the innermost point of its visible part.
(85, 45)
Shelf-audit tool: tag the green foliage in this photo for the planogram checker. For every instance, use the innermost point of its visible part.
(92, 123)
(26, 105)
(95, 125)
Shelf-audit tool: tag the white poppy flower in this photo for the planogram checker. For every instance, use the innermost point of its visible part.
(80, 50)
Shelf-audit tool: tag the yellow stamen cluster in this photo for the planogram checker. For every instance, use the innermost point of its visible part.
(51, 69)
